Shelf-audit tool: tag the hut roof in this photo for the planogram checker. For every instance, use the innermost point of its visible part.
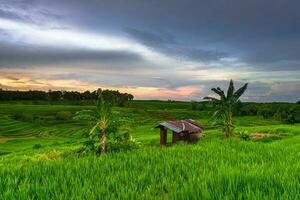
(178, 126)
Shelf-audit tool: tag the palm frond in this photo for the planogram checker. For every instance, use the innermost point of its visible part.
(92, 131)
(85, 115)
(211, 98)
(219, 92)
(240, 92)
(230, 90)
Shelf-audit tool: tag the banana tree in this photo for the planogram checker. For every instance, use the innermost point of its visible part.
(101, 120)
(225, 104)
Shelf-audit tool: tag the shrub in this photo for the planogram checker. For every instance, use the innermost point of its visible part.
(266, 113)
(244, 135)
(293, 116)
(24, 117)
(63, 115)
(115, 143)
(122, 142)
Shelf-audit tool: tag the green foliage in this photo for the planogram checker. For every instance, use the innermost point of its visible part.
(37, 146)
(244, 135)
(24, 117)
(214, 169)
(270, 139)
(293, 116)
(198, 105)
(102, 119)
(57, 96)
(116, 142)
(224, 106)
(64, 115)
(121, 142)
(266, 113)
(211, 169)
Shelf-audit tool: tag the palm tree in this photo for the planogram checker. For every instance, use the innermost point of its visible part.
(101, 119)
(225, 104)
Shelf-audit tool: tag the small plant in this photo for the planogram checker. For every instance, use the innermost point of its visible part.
(115, 143)
(244, 135)
(122, 142)
(102, 119)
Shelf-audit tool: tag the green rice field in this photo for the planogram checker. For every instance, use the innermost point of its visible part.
(37, 160)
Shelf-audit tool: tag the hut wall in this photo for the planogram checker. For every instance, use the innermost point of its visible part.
(163, 136)
(191, 138)
(175, 137)
(194, 137)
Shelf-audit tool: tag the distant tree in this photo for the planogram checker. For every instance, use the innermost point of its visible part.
(198, 105)
(293, 115)
(54, 95)
(102, 119)
(224, 105)
(87, 95)
(237, 109)
(119, 98)
(265, 113)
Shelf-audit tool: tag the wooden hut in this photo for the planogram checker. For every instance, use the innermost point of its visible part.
(182, 130)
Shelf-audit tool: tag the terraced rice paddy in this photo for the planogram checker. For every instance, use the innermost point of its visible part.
(37, 159)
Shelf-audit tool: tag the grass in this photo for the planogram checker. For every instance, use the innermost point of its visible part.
(217, 169)
(37, 161)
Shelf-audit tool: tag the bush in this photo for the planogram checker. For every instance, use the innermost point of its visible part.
(24, 117)
(293, 116)
(266, 113)
(121, 142)
(115, 143)
(63, 115)
(244, 135)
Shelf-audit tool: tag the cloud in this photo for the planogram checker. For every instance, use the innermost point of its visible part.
(29, 11)
(167, 44)
(28, 55)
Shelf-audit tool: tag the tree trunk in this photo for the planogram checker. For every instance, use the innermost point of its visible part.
(103, 142)
(228, 126)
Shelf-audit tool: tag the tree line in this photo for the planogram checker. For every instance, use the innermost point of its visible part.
(285, 112)
(37, 95)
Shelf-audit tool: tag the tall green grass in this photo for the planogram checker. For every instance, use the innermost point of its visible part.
(212, 169)
(42, 167)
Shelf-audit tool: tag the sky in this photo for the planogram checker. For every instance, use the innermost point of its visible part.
(158, 49)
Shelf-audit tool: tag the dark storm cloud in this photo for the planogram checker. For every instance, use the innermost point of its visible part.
(24, 55)
(9, 15)
(254, 35)
(167, 44)
(200, 30)
(151, 39)
(30, 11)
